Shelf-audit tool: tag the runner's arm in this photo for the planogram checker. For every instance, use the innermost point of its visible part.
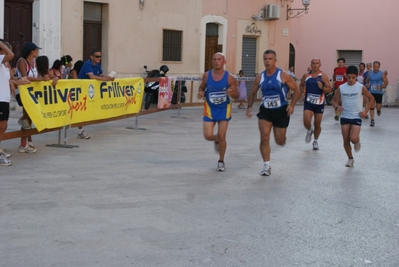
(201, 89)
(232, 90)
(336, 100)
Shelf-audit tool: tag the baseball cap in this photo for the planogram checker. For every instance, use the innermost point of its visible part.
(30, 46)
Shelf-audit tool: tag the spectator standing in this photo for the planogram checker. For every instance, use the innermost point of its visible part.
(242, 90)
(91, 69)
(66, 66)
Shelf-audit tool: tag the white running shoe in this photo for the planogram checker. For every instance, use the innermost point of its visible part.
(5, 161)
(350, 163)
(83, 135)
(308, 136)
(357, 146)
(221, 167)
(4, 154)
(315, 145)
(266, 170)
(26, 149)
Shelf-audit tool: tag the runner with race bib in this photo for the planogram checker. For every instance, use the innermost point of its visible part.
(274, 110)
(313, 86)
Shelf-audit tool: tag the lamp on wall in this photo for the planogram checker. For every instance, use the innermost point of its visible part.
(290, 11)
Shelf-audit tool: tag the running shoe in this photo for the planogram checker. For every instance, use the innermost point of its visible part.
(221, 167)
(379, 112)
(372, 123)
(357, 146)
(5, 161)
(350, 163)
(26, 149)
(315, 145)
(308, 136)
(266, 170)
(24, 124)
(4, 154)
(83, 135)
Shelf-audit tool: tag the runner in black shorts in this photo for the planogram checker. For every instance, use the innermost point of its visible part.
(274, 111)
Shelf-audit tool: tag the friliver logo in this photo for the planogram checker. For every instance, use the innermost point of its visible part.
(91, 91)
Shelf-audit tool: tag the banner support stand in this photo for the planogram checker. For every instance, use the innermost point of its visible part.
(65, 140)
(136, 127)
(178, 103)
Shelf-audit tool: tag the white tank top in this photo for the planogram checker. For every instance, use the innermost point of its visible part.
(31, 71)
(352, 100)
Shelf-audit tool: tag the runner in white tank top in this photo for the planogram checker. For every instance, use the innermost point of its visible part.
(350, 94)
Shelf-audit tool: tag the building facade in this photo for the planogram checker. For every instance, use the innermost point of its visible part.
(357, 30)
(181, 34)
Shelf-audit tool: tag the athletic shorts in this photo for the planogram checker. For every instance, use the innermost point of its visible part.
(351, 121)
(313, 107)
(278, 116)
(207, 119)
(378, 98)
(4, 111)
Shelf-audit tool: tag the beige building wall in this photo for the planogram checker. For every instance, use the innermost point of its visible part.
(238, 16)
(132, 36)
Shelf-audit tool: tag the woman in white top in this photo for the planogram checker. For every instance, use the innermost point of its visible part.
(26, 67)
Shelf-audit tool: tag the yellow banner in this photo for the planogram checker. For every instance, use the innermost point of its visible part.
(75, 101)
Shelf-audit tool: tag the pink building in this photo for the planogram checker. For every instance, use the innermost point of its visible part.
(358, 30)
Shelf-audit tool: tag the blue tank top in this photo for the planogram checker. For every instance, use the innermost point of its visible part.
(375, 80)
(274, 92)
(215, 93)
(314, 95)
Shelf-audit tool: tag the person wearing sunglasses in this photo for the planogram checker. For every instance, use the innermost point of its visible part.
(91, 69)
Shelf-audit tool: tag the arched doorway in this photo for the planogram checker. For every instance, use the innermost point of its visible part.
(291, 61)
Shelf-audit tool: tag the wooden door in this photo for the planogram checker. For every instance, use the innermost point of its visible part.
(18, 25)
(91, 38)
(211, 47)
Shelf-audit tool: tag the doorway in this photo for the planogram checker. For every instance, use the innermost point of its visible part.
(92, 28)
(248, 59)
(17, 32)
(211, 44)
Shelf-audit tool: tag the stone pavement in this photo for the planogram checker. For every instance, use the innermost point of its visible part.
(153, 197)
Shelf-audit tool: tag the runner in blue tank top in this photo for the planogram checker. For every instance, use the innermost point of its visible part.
(274, 110)
(376, 81)
(313, 86)
(217, 87)
(350, 94)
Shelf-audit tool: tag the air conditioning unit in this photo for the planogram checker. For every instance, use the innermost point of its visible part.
(271, 12)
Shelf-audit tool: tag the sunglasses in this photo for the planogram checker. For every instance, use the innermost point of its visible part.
(96, 56)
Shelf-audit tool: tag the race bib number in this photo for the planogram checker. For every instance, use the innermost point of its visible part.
(272, 101)
(374, 88)
(217, 98)
(314, 99)
(339, 78)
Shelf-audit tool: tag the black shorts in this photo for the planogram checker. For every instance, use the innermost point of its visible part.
(278, 116)
(378, 98)
(357, 122)
(4, 111)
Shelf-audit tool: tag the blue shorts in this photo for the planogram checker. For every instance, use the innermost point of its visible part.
(351, 121)
(313, 107)
(207, 119)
